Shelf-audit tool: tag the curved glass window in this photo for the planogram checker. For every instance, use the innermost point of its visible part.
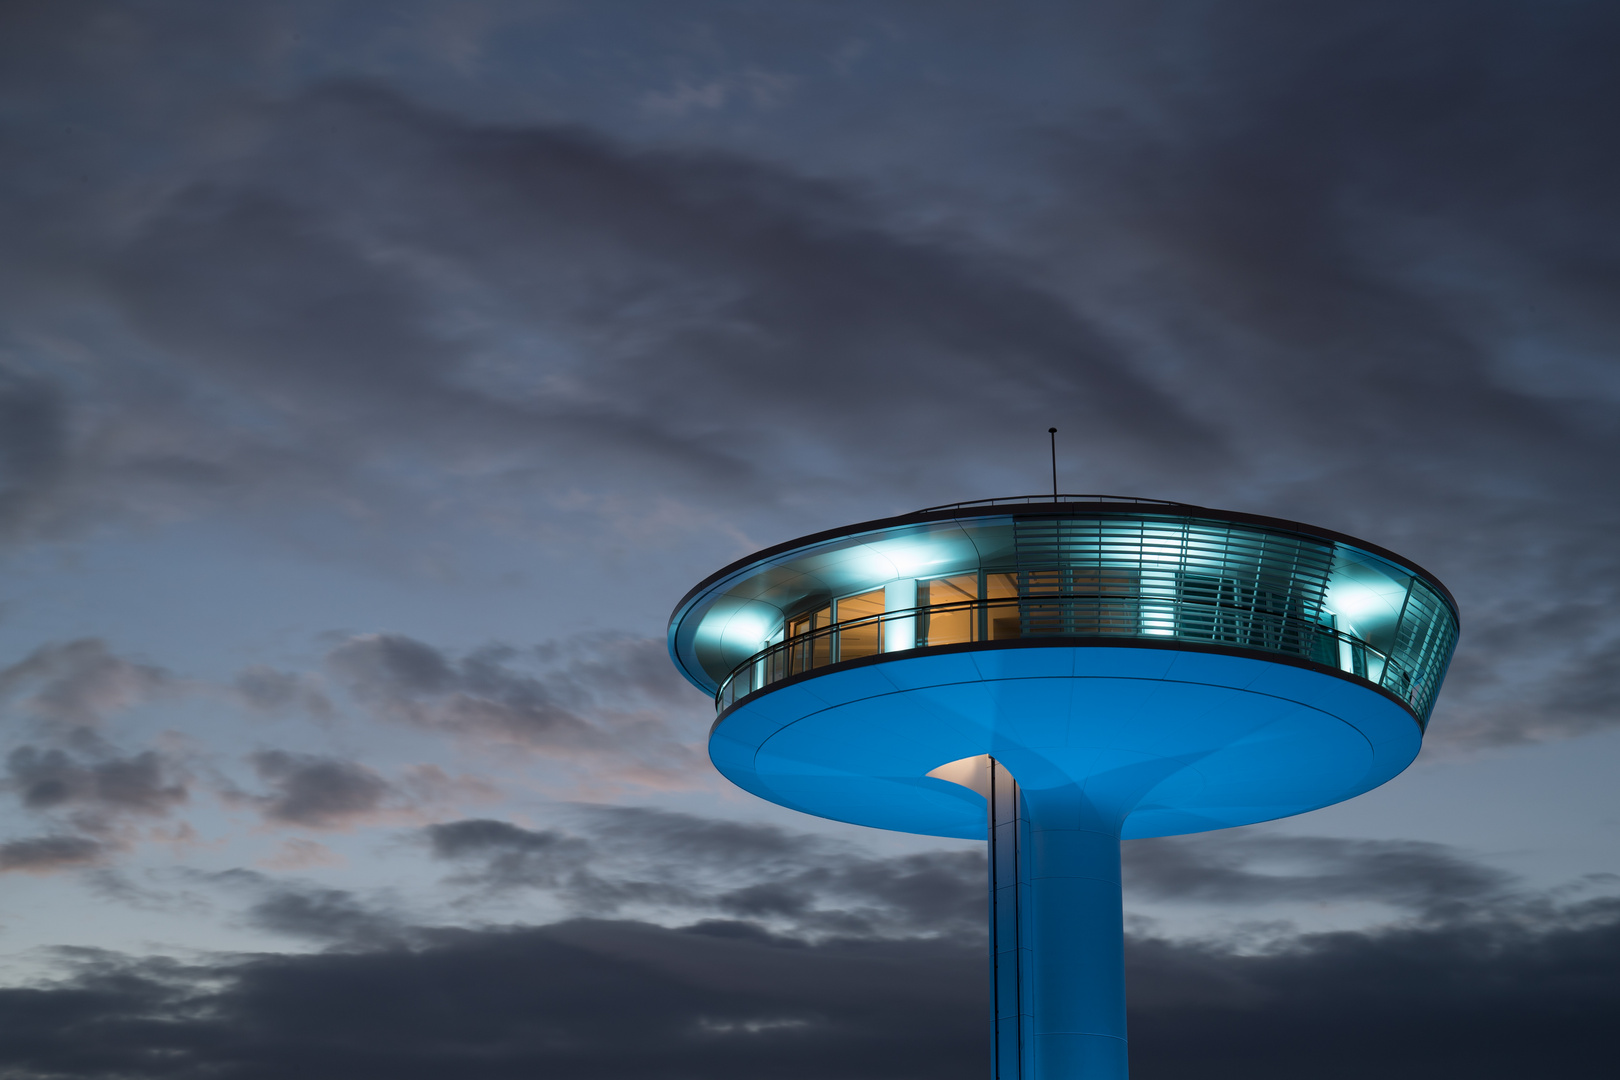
(1155, 576)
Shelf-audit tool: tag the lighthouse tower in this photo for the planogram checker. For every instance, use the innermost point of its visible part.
(1054, 674)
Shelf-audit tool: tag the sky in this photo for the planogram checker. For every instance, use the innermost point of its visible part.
(374, 380)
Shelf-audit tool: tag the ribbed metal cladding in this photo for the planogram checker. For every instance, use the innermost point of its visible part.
(1171, 577)
(1423, 643)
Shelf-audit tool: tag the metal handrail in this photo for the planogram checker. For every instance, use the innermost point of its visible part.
(1123, 499)
(1092, 614)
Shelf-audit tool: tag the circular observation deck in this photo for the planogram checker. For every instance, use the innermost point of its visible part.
(1188, 668)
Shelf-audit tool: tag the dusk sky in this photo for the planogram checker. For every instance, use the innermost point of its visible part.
(375, 379)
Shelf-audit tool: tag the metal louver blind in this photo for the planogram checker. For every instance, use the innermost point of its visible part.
(1423, 640)
(1174, 578)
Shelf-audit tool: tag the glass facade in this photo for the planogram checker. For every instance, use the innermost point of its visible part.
(1141, 575)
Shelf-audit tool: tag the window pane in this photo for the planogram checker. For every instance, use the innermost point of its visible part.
(862, 638)
(1001, 615)
(957, 623)
(821, 645)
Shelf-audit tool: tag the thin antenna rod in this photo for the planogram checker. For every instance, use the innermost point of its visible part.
(1052, 431)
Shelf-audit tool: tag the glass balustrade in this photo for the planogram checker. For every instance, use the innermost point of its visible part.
(988, 573)
(1109, 606)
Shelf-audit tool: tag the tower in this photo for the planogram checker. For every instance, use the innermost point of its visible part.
(1055, 674)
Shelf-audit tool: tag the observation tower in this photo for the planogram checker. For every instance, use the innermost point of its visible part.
(1055, 674)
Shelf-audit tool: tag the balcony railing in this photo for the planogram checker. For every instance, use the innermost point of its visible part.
(1017, 500)
(1076, 615)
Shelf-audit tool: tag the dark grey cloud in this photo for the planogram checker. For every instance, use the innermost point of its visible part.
(1496, 999)
(96, 802)
(33, 448)
(318, 792)
(553, 1000)
(394, 661)
(674, 287)
(629, 859)
(47, 854)
(656, 292)
(63, 771)
(78, 684)
(762, 871)
(621, 858)
(291, 907)
(1245, 868)
(504, 855)
(145, 783)
(331, 916)
(1378, 237)
(1488, 998)
(266, 689)
(63, 703)
(604, 698)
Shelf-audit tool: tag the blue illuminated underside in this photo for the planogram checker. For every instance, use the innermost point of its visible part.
(1150, 741)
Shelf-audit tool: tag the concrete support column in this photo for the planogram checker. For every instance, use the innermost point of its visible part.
(1057, 937)
(1011, 963)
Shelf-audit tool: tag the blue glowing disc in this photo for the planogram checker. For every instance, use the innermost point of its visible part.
(1160, 740)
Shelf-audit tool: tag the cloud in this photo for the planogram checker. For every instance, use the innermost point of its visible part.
(48, 854)
(93, 805)
(322, 792)
(1498, 999)
(1246, 868)
(96, 803)
(299, 908)
(139, 784)
(547, 302)
(606, 699)
(77, 684)
(1486, 997)
(619, 998)
(266, 689)
(628, 859)
(318, 792)
(297, 853)
(333, 916)
(33, 448)
(507, 856)
(672, 286)
(637, 860)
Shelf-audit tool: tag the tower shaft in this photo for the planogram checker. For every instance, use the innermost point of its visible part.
(1057, 965)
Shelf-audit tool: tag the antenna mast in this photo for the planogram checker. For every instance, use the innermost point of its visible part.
(1052, 432)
